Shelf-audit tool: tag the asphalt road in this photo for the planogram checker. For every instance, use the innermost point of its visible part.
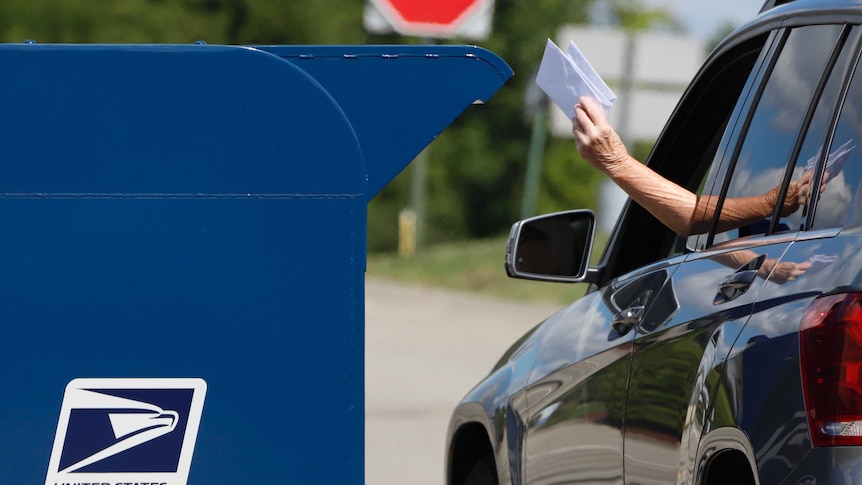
(425, 348)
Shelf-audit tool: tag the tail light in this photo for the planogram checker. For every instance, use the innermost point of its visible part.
(830, 347)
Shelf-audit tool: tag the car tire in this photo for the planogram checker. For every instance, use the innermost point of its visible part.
(481, 473)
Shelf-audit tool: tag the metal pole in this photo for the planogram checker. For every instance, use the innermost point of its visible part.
(534, 161)
(417, 193)
(624, 104)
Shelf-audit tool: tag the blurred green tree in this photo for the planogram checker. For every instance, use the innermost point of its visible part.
(119, 21)
(477, 166)
(183, 21)
(637, 16)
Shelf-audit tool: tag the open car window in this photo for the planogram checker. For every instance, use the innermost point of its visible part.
(763, 185)
(816, 146)
(692, 142)
(837, 202)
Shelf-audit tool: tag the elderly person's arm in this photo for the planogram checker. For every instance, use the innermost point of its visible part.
(602, 148)
(742, 211)
(675, 206)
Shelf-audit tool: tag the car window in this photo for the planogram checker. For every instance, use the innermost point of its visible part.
(711, 184)
(761, 163)
(839, 193)
(812, 150)
(684, 153)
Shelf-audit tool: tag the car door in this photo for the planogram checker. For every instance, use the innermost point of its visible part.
(715, 289)
(764, 370)
(576, 401)
(576, 397)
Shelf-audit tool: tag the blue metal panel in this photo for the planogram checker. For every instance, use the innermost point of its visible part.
(206, 287)
(169, 119)
(194, 212)
(400, 97)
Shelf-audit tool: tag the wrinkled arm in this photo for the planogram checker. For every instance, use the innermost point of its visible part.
(676, 207)
(602, 148)
(742, 211)
(671, 204)
(736, 212)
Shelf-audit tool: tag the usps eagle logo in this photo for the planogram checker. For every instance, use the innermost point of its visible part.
(129, 430)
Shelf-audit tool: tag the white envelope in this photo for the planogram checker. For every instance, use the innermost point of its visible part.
(565, 77)
(835, 161)
(590, 74)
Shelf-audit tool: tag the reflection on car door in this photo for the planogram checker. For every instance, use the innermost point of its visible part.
(764, 365)
(577, 396)
(578, 392)
(672, 377)
(674, 354)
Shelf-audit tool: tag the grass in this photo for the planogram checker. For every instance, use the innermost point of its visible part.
(475, 266)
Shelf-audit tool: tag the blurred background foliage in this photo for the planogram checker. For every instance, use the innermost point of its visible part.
(476, 168)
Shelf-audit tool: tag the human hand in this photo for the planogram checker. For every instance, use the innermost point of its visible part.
(784, 271)
(794, 198)
(797, 195)
(597, 141)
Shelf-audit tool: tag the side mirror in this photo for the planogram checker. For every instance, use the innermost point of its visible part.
(552, 247)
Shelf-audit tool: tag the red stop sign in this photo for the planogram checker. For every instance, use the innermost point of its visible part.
(435, 18)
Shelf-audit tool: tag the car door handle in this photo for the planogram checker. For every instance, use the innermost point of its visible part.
(625, 320)
(739, 282)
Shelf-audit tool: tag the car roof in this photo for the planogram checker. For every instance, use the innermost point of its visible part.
(770, 4)
(791, 7)
(792, 13)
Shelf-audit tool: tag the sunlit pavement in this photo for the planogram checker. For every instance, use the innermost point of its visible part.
(425, 348)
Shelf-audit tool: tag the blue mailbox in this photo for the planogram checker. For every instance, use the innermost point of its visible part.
(182, 248)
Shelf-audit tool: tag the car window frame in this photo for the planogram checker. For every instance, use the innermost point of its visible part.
(849, 37)
(748, 110)
(731, 143)
(851, 42)
(808, 232)
(663, 156)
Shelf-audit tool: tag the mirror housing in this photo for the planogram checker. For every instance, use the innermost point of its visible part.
(551, 247)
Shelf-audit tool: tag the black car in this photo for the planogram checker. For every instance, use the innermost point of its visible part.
(729, 356)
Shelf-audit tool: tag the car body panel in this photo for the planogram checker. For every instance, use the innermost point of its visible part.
(576, 395)
(581, 400)
(497, 405)
(761, 379)
(667, 395)
(705, 371)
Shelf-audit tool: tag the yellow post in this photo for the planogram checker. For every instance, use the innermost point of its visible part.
(407, 233)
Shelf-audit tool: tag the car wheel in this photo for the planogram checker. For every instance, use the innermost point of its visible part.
(481, 473)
